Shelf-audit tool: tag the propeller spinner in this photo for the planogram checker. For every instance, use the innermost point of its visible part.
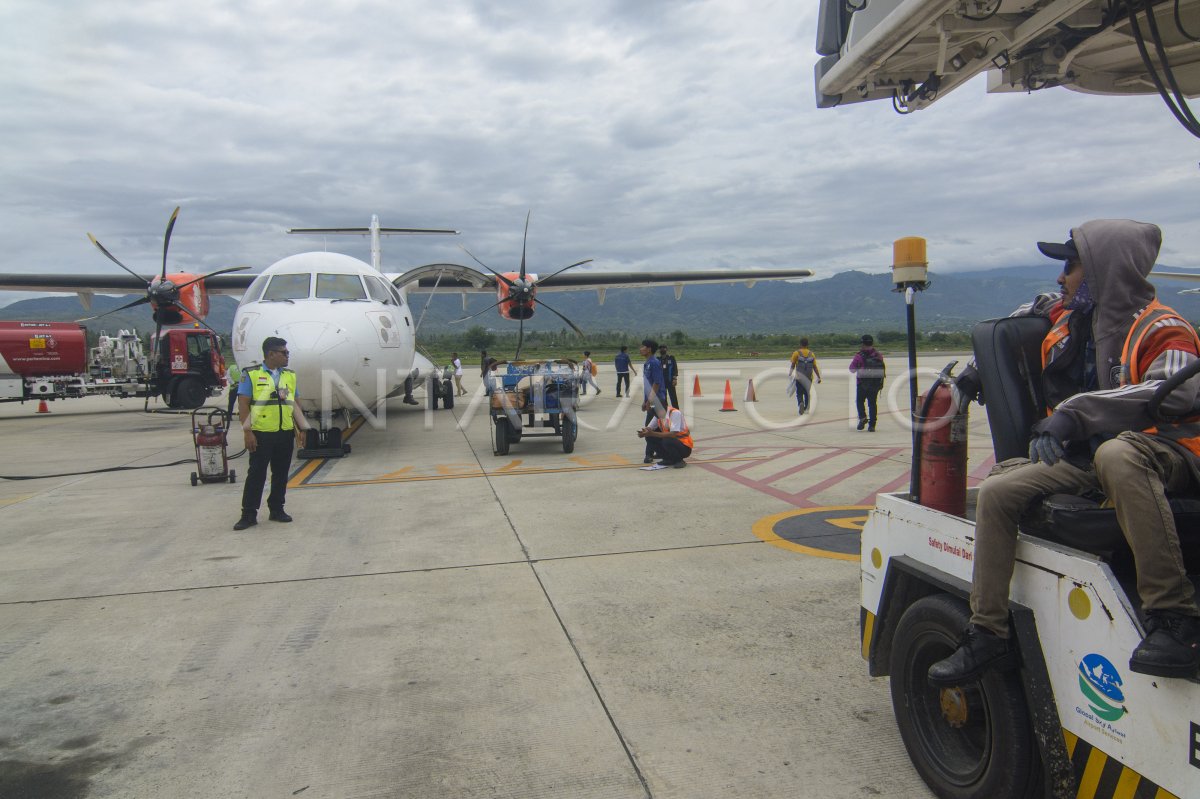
(517, 293)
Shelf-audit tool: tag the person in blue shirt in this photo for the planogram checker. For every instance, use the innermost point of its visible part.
(654, 385)
(624, 366)
(670, 373)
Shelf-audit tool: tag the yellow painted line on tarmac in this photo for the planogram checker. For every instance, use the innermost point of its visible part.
(310, 468)
(16, 499)
(512, 468)
(764, 528)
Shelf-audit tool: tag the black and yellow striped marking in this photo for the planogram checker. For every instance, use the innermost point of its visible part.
(1104, 777)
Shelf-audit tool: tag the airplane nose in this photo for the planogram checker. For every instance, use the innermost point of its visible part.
(318, 351)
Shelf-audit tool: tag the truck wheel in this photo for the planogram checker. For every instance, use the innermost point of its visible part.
(195, 479)
(502, 428)
(971, 742)
(232, 476)
(570, 429)
(189, 393)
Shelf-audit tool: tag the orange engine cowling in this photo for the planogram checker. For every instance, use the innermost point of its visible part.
(517, 300)
(942, 478)
(193, 297)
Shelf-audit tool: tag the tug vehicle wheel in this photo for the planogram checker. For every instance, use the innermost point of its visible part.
(502, 430)
(974, 741)
(570, 429)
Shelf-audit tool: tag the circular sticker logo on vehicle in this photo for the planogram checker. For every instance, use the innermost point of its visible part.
(1101, 683)
(831, 531)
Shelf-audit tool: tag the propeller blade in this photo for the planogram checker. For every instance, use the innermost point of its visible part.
(184, 309)
(141, 301)
(523, 240)
(560, 316)
(485, 266)
(472, 316)
(520, 339)
(565, 268)
(113, 258)
(167, 240)
(210, 274)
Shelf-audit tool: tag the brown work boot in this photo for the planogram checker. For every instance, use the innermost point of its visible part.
(979, 650)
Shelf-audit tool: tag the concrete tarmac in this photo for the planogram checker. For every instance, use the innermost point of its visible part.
(440, 621)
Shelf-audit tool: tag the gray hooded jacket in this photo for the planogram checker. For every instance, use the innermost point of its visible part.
(1117, 256)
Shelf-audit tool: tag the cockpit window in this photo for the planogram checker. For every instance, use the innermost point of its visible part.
(255, 291)
(287, 287)
(377, 291)
(340, 287)
(391, 287)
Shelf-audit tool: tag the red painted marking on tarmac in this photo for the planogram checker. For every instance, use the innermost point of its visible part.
(802, 498)
(887, 454)
(801, 467)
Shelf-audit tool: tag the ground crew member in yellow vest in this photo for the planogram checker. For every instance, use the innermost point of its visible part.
(271, 419)
(233, 379)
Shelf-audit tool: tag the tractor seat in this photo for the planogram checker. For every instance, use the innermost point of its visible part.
(1082, 523)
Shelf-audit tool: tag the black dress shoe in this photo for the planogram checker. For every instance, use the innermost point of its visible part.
(1171, 647)
(978, 651)
(647, 460)
(245, 522)
(862, 423)
(279, 516)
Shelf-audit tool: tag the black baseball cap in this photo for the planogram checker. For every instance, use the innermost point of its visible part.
(1059, 252)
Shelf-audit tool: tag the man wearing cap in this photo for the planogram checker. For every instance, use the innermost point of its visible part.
(868, 369)
(1110, 346)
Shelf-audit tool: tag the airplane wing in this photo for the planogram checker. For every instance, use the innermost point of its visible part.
(116, 283)
(915, 51)
(459, 279)
(1177, 275)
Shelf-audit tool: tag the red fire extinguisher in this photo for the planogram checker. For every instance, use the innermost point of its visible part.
(940, 450)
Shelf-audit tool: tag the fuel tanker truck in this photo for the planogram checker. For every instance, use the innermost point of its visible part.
(52, 360)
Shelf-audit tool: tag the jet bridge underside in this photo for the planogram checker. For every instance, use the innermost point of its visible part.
(915, 51)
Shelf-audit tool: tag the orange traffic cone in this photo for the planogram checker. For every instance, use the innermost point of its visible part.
(750, 391)
(43, 407)
(696, 387)
(728, 404)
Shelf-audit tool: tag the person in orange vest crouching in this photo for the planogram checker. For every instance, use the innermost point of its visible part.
(1111, 345)
(667, 437)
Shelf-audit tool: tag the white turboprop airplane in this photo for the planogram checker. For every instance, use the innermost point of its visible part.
(915, 51)
(350, 330)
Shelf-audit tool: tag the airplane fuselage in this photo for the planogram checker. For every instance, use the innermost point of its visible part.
(349, 331)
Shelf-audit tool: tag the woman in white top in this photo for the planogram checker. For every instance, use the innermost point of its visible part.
(457, 364)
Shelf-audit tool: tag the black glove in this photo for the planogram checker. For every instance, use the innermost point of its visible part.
(1045, 448)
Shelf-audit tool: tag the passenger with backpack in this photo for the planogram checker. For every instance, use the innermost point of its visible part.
(804, 366)
(868, 369)
(587, 371)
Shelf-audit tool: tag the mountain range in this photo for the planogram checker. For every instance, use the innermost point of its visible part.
(847, 302)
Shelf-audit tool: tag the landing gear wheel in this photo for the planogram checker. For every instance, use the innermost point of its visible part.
(447, 394)
(570, 429)
(502, 429)
(971, 742)
(435, 393)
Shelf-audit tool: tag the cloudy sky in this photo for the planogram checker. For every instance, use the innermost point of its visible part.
(640, 133)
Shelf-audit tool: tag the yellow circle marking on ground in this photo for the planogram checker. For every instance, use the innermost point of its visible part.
(765, 529)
